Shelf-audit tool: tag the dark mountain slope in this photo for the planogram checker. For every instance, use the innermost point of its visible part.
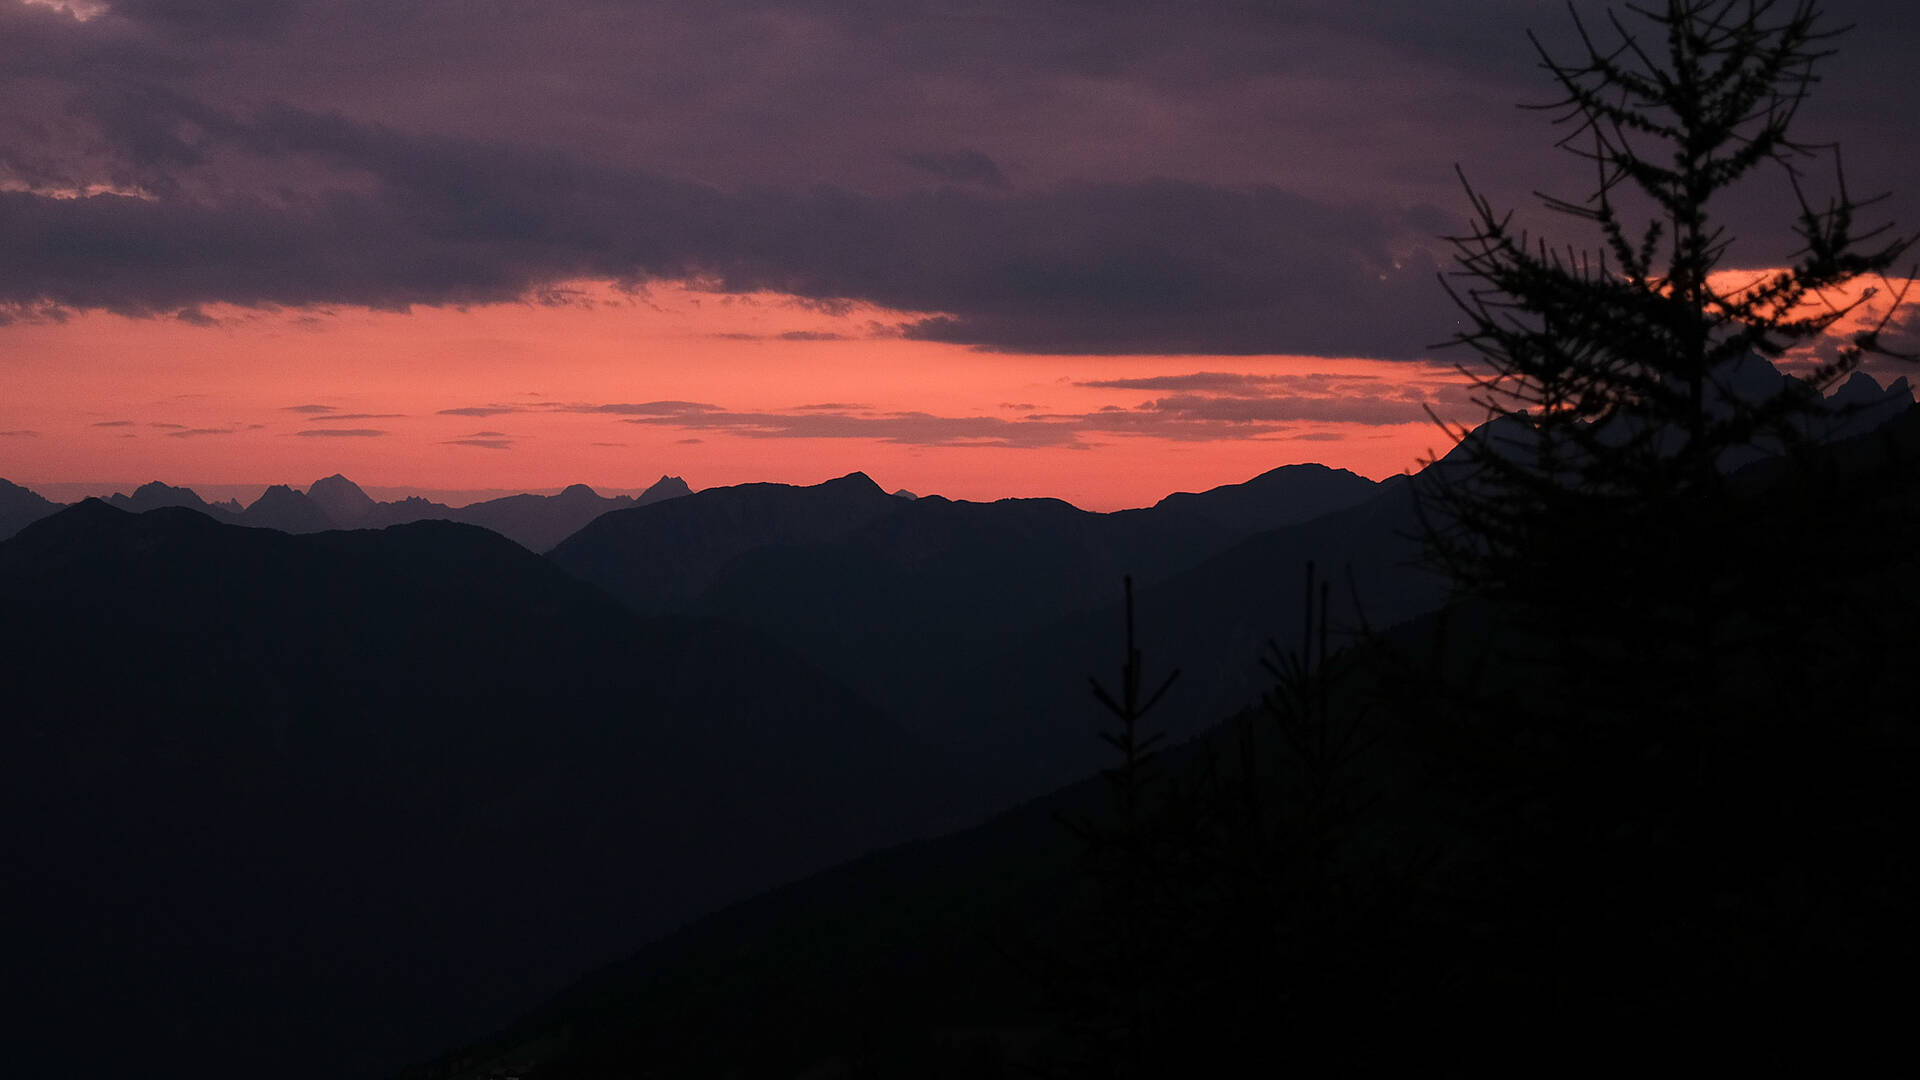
(307, 806)
(280, 507)
(538, 522)
(933, 583)
(20, 508)
(342, 501)
(1497, 880)
(658, 558)
(1277, 498)
(153, 495)
(535, 522)
(868, 951)
(926, 605)
(1213, 621)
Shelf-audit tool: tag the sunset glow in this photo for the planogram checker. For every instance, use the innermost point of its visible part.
(617, 388)
(983, 252)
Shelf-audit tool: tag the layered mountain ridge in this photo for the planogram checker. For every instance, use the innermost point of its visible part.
(536, 522)
(327, 801)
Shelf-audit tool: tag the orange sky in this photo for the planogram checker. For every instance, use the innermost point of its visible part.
(288, 396)
(1211, 179)
(614, 389)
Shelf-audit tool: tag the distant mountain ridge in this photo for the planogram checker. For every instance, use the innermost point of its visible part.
(536, 522)
(394, 778)
(966, 924)
(955, 616)
(958, 618)
(20, 508)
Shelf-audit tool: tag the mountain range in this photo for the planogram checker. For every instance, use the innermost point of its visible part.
(282, 786)
(536, 522)
(1627, 877)
(329, 798)
(404, 781)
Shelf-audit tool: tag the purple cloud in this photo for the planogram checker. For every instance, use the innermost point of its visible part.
(959, 167)
(1230, 178)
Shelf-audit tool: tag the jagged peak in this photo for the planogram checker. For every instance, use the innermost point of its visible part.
(155, 493)
(1860, 379)
(1863, 389)
(160, 487)
(667, 485)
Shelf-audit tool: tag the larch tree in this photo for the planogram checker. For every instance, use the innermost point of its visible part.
(1619, 378)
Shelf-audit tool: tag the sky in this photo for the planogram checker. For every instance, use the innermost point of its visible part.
(1098, 251)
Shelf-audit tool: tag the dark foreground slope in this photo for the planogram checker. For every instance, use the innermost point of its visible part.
(310, 806)
(955, 617)
(1422, 850)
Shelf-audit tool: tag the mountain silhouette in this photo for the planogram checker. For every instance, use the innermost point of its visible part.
(1283, 496)
(1510, 874)
(280, 507)
(536, 522)
(667, 487)
(951, 615)
(20, 508)
(323, 803)
(657, 558)
(1213, 619)
(153, 495)
(342, 501)
(310, 806)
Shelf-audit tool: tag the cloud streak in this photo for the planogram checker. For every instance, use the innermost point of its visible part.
(1216, 406)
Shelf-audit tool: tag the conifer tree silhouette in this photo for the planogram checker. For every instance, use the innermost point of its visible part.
(1641, 755)
(1600, 498)
(1227, 898)
(1113, 997)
